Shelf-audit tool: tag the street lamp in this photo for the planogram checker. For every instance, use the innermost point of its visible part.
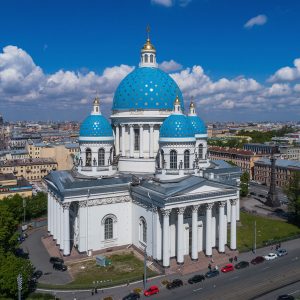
(19, 282)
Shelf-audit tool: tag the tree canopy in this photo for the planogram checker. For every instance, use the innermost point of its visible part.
(293, 193)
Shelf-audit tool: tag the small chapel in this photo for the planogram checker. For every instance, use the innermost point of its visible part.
(143, 178)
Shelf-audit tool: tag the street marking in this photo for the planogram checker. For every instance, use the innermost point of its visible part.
(235, 277)
(294, 292)
(197, 290)
(266, 268)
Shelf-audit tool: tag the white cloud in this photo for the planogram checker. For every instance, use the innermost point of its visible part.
(287, 73)
(258, 21)
(166, 3)
(170, 66)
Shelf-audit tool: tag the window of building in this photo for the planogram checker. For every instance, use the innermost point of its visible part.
(173, 159)
(143, 230)
(101, 157)
(151, 58)
(186, 159)
(108, 228)
(88, 157)
(136, 139)
(200, 147)
(146, 58)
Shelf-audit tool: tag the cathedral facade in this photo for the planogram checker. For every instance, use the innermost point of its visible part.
(144, 179)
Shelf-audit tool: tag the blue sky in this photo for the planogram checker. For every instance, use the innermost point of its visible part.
(79, 47)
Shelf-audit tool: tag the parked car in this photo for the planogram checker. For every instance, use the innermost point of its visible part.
(36, 275)
(242, 265)
(60, 266)
(196, 278)
(270, 256)
(285, 297)
(174, 284)
(281, 252)
(19, 252)
(54, 259)
(257, 260)
(227, 268)
(132, 296)
(212, 273)
(151, 291)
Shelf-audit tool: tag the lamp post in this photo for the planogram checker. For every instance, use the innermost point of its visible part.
(254, 246)
(19, 282)
(145, 267)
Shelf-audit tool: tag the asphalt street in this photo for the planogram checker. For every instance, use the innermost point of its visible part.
(264, 281)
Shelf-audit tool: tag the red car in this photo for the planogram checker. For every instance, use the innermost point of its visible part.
(151, 291)
(227, 268)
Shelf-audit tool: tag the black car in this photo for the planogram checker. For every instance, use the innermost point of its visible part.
(59, 266)
(196, 278)
(54, 259)
(242, 265)
(257, 260)
(174, 284)
(36, 275)
(285, 297)
(212, 273)
(132, 296)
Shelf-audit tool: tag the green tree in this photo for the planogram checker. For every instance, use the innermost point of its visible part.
(244, 186)
(293, 193)
(36, 206)
(8, 226)
(10, 267)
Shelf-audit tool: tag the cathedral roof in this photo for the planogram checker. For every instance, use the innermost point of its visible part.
(146, 88)
(198, 125)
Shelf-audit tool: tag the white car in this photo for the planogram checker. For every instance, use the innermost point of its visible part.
(270, 256)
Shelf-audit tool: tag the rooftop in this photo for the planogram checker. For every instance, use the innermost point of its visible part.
(285, 163)
(27, 162)
(230, 150)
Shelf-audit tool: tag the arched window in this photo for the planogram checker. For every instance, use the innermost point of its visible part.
(143, 230)
(163, 159)
(101, 157)
(173, 159)
(151, 58)
(146, 58)
(187, 159)
(108, 229)
(88, 157)
(200, 151)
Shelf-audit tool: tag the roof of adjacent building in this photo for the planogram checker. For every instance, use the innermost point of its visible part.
(285, 163)
(146, 88)
(27, 162)
(230, 150)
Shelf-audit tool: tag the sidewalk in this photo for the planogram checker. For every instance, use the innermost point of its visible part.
(118, 292)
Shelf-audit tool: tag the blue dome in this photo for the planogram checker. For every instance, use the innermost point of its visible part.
(198, 125)
(95, 126)
(146, 88)
(176, 126)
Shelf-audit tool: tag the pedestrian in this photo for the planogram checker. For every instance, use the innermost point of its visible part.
(235, 258)
(279, 244)
(216, 268)
(92, 292)
(212, 260)
(230, 259)
(127, 282)
(209, 267)
(96, 291)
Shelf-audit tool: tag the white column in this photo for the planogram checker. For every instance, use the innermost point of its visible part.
(208, 248)
(117, 139)
(123, 140)
(52, 213)
(58, 222)
(141, 141)
(233, 225)
(49, 212)
(158, 236)
(61, 244)
(82, 226)
(180, 241)
(151, 138)
(54, 217)
(131, 140)
(166, 237)
(195, 232)
(221, 246)
(66, 235)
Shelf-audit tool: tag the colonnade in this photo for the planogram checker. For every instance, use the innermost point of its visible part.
(208, 231)
(59, 222)
(120, 139)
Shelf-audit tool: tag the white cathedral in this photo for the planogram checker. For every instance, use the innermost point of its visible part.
(144, 179)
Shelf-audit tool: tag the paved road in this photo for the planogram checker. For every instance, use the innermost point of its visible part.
(240, 284)
(40, 259)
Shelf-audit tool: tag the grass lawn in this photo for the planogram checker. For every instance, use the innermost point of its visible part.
(125, 267)
(266, 231)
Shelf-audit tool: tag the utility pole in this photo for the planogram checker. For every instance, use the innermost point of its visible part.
(254, 246)
(19, 282)
(145, 267)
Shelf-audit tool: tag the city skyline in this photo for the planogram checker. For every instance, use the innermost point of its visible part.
(238, 61)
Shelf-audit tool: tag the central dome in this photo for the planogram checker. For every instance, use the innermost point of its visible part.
(146, 88)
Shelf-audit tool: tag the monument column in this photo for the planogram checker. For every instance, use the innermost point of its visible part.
(151, 141)
(180, 242)
(66, 219)
(233, 225)
(208, 247)
(195, 232)
(117, 139)
(221, 227)
(123, 140)
(131, 140)
(166, 237)
(141, 141)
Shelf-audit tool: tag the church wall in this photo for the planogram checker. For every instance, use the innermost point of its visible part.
(138, 212)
